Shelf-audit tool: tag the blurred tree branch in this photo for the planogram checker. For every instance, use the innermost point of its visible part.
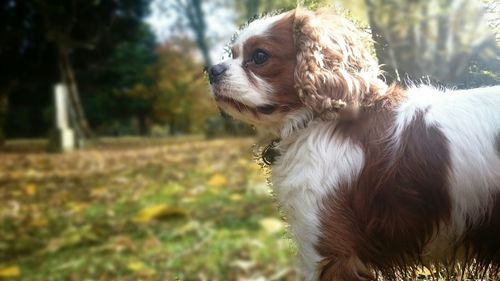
(192, 16)
(428, 38)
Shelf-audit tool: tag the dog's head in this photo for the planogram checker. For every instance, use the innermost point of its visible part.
(299, 59)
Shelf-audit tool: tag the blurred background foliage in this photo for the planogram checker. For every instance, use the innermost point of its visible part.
(152, 198)
(132, 66)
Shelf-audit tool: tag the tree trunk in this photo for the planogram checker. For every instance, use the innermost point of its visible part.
(143, 124)
(196, 20)
(435, 44)
(4, 107)
(3, 115)
(382, 47)
(4, 101)
(202, 29)
(68, 76)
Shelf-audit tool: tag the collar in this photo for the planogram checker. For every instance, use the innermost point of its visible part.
(270, 152)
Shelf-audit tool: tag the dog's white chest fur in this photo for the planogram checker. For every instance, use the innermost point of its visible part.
(312, 165)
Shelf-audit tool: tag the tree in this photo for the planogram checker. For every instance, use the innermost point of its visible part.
(249, 9)
(23, 52)
(181, 100)
(116, 87)
(419, 39)
(190, 17)
(4, 106)
(80, 24)
(63, 37)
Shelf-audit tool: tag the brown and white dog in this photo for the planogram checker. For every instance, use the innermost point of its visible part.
(374, 179)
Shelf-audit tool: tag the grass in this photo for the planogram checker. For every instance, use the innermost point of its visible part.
(129, 209)
(142, 209)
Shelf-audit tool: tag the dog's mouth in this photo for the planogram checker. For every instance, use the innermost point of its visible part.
(266, 109)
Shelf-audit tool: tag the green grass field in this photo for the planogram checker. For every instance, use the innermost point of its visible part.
(181, 209)
(142, 209)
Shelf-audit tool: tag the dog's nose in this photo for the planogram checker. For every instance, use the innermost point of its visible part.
(215, 72)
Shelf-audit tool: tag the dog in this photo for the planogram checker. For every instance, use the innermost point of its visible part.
(375, 180)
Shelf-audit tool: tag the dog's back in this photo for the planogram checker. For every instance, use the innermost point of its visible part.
(470, 121)
(416, 184)
(371, 177)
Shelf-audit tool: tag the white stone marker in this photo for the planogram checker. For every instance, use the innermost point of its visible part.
(63, 137)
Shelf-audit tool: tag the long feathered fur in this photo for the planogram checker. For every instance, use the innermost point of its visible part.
(335, 72)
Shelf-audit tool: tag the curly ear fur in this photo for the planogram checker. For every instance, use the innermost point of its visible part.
(335, 73)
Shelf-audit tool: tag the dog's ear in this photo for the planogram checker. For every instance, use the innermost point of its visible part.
(335, 71)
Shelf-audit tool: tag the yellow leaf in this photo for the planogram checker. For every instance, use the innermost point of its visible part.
(158, 211)
(423, 271)
(30, 189)
(271, 225)
(99, 192)
(217, 180)
(136, 266)
(77, 207)
(11, 271)
(141, 268)
(235, 197)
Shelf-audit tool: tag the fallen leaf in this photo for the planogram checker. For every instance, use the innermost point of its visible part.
(30, 189)
(235, 197)
(217, 180)
(136, 266)
(271, 225)
(245, 265)
(77, 207)
(99, 192)
(11, 271)
(141, 268)
(157, 212)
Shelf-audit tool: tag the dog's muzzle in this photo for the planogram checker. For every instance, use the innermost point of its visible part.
(215, 72)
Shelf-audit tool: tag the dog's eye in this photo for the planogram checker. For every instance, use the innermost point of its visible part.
(260, 57)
